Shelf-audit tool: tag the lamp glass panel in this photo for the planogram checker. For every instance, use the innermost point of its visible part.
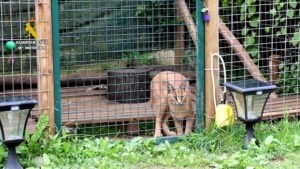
(239, 102)
(255, 105)
(13, 123)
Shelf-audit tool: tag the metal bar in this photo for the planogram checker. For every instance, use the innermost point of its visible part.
(200, 68)
(170, 139)
(56, 63)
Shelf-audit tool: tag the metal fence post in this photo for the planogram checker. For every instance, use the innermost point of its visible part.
(56, 63)
(200, 67)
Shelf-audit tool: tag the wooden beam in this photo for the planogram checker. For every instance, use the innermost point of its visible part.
(187, 17)
(80, 79)
(179, 43)
(45, 60)
(240, 51)
(211, 46)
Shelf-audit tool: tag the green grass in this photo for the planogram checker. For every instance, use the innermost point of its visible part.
(214, 148)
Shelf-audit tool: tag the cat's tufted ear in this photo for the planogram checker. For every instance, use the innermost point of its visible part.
(170, 88)
(183, 85)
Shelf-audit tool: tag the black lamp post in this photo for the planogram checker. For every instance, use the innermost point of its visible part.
(14, 113)
(250, 97)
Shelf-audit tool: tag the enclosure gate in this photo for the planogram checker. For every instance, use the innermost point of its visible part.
(108, 53)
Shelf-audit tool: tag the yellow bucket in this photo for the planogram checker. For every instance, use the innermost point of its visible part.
(224, 115)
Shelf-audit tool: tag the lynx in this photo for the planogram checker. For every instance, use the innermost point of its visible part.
(171, 96)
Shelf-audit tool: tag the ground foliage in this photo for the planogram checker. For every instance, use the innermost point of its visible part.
(215, 148)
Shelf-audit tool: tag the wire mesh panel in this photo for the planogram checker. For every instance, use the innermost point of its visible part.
(111, 51)
(19, 48)
(261, 39)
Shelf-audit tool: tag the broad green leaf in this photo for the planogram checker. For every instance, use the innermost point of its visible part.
(46, 159)
(253, 51)
(254, 22)
(295, 39)
(160, 148)
(278, 33)
(243, 8)
(225, 3)
(283, 30)
(295, 74)
(293, 3)
(290, 13)
(40, 127)
(251, 11)
(279, 6)
(2, 152)
(242, 17)
(282, 20)
(245, 31)
(267, 29)
(248, 2)
(269, 140)
(250, 41)
(273, 11)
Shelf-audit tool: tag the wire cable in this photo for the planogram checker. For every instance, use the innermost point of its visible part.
(212, 76)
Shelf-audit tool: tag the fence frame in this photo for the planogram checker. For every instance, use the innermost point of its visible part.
(200, 70)
(56, 64)
(211, 46)
(45, 66)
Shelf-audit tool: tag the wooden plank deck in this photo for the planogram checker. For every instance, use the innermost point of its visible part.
(97, 109)
(278, 107)
(80, 106)
(93, 107)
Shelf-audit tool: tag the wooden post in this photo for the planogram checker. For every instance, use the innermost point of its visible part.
(211, 46)
(274, 68)
(45, 60)
(179, 46)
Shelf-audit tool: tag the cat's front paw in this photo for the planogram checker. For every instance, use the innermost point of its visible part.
(157, 134)
(172, 133)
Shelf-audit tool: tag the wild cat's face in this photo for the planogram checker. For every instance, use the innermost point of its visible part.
(177, 96)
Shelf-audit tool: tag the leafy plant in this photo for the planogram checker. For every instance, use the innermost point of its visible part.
(135, 59)
(36, 143)
(275, 21)
(189, 58)
(295, 38)
(214, 148)
(289, 78)
(249, 12)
